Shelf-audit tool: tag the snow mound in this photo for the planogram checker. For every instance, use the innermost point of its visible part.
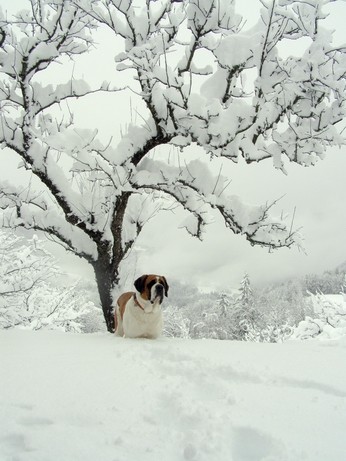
(97, 397)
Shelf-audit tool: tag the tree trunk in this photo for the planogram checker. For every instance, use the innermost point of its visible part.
(106, 278)
(110, 256)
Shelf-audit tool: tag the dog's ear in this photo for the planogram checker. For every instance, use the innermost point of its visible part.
(165, 284)
(140, 283)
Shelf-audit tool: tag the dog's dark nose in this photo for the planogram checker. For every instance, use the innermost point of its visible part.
(159, 288)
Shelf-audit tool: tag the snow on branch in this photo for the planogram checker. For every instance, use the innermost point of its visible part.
(49, 30)
(27, 208)
(34, 40)
(199, 192)
(50, 95)
(249, 100)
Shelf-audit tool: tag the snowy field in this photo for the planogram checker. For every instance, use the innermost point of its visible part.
(70, 397)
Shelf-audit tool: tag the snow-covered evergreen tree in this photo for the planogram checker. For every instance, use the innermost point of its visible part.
(246, 294)
(224, 304)
(198, 78)
(245, 313)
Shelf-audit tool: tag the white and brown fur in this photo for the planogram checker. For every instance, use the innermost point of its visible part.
(138, 314)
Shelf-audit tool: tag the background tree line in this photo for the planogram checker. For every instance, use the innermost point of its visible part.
(36, 294)
(264, 313)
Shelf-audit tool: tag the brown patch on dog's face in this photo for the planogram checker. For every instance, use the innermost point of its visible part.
(150, 281)
(165, 284)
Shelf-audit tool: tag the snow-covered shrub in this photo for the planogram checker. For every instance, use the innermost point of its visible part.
(268, 334)
(283, 304)
(55, 308)
(193, 314)
(217, 319)
(28, 296)
(175, 324)
(210, 326)
(93, 320)
(329, 321)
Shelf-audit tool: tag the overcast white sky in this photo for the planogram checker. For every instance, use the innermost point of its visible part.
(318, 193)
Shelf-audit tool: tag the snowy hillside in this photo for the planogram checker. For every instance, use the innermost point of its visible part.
(73, 397)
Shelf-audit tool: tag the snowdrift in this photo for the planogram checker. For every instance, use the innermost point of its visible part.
(95, 397)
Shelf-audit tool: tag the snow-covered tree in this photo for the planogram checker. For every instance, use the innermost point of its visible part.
(29, 298)
(244, 311)
(176, 324)
(246, 295)
(199, 79)
(191, 313)
(24, 268)
(224, 304)
(328, 320)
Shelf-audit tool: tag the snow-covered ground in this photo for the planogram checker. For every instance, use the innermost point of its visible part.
(71, 397)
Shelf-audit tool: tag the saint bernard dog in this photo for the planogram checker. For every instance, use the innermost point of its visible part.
(138, 314)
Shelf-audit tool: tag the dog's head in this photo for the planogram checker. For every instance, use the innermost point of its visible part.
(152, 287)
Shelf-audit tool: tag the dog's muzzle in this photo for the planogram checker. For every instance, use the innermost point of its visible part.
(158, 292)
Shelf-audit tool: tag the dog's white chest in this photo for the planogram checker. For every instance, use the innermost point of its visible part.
(140, 324)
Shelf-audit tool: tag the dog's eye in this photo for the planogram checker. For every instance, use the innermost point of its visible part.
(151, 284)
